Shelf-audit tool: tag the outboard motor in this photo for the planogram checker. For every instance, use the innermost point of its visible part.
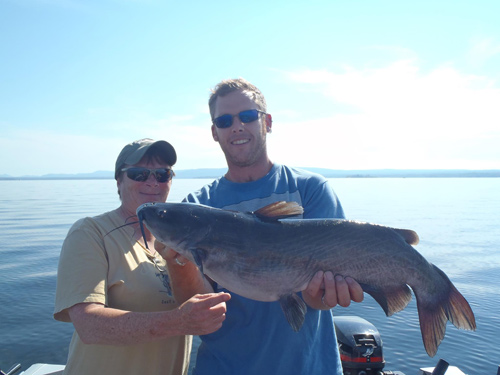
(360, 346)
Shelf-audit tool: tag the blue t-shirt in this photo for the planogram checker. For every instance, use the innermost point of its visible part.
(256, 338)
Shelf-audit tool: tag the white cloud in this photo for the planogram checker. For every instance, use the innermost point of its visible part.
(39, 152)
(406, 119)
(192, 141)
(398, 117)
(482, 50)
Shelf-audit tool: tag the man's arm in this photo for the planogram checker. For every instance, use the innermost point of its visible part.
(186, 279)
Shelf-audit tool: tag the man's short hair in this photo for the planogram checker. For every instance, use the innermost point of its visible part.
(228, 86)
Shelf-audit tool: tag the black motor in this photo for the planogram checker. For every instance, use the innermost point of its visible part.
(360, 346)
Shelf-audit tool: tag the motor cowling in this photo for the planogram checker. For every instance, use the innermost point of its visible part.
(360, 346)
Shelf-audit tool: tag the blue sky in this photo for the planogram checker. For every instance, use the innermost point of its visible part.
(350, 84)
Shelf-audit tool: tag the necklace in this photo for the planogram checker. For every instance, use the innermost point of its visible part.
(161, 269)
(147, 251)
(153, 258)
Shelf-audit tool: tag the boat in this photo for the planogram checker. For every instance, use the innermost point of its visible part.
(36, 369)
(360, 347)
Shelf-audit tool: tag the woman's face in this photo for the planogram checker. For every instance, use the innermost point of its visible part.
(134, 193)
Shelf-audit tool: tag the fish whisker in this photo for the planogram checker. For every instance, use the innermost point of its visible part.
(121, 226)
(140, 216)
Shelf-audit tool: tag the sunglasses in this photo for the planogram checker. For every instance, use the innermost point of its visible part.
(225, 121)
(141, 174)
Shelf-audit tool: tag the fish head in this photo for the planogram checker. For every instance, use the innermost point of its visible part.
(177, 225)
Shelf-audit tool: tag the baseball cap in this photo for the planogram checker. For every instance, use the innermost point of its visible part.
(134, 152)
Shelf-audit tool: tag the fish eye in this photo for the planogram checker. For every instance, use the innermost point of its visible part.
(162, 213)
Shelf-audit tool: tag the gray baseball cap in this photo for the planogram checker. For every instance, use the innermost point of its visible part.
(134, 152)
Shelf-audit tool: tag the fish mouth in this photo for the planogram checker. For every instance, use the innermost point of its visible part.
(141, 216)
(144, 205)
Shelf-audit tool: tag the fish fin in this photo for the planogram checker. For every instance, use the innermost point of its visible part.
(199, 256)
(410, 236)
(279, 210)
(295, 310)
(391, 299)
(434, 313)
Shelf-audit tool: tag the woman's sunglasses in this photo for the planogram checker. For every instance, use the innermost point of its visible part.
(141, 174)
(225, 121)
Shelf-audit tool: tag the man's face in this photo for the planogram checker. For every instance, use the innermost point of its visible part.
(243, 144)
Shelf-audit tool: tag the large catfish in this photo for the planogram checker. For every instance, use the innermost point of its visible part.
(266, 257)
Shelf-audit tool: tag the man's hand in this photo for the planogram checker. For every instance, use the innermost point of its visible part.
(326, 291)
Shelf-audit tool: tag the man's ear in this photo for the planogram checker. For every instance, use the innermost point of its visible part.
(269, 123)
(214, 134)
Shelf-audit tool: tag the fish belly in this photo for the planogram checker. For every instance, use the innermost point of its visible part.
(260, 284)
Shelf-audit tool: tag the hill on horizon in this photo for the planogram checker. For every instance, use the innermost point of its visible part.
(328, 173)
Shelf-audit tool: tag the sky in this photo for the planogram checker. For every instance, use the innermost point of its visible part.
(388, 84)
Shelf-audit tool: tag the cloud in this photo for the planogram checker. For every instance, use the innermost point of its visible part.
(404, 118)
(192, 139)
(482, 50)
(39, 152)
(393, 116)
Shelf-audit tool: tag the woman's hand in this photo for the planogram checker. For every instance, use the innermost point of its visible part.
(203, 313)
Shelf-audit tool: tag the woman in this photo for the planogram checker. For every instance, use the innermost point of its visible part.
(117, 293)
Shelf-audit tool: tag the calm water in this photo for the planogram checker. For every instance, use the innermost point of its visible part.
(458, 221)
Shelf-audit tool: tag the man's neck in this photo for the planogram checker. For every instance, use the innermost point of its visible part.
(250, 173)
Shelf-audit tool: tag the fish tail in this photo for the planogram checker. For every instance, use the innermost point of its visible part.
(434, 313)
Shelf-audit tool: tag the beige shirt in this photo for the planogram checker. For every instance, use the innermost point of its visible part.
(109, 267)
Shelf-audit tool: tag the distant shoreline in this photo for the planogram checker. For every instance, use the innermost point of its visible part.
(328, 173)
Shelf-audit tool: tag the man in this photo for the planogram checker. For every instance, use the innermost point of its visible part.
(255, 338)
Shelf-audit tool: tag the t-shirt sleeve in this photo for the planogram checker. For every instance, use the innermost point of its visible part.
(82, 270)
(320, 201)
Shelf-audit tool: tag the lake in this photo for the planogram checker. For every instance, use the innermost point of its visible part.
(457, 219)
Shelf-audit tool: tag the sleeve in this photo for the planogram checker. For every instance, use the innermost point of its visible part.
(203, 195)
(191, 198)
(82, 270)
(320, 201)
